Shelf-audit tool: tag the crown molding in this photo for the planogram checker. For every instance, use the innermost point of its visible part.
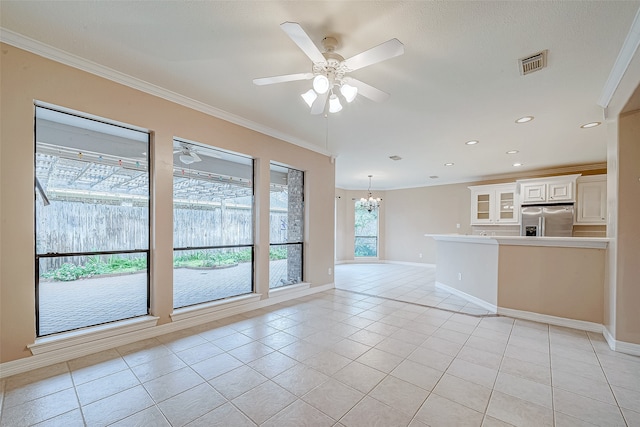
(479, 180)
(625, 56)
(36, 47)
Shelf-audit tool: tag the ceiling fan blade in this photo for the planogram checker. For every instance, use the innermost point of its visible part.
(368, 91)
(382, 52)
(195, 156)
(299, 37)
(282, 79)
(320, 103)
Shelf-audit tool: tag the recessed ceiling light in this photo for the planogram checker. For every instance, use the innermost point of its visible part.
(524, 119)
(590, 125)
(512, 152)
(517, 164)
(448, 164)
(472, 142)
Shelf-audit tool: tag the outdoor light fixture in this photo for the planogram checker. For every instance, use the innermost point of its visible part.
(370, 203)
(186, 159)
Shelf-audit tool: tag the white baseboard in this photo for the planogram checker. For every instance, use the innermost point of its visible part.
(551, 320)
(359, 261)
(414, 264)
(620, 346)
(382, 261)
(93, 345)
(475, 300)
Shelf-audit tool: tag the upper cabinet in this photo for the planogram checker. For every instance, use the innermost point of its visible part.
(548, 190)
(494, 204)
(592, 200)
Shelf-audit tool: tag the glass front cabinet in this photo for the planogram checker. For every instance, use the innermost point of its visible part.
(494, 204)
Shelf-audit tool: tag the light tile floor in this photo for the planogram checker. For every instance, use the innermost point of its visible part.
(340, 358)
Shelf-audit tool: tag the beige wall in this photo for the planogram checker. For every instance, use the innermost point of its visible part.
(562, 282)
(413, 212)
(627, 291)
(477, 265)
(27, 77)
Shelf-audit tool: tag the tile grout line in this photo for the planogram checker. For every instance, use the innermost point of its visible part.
(615, 398)
(481, 316)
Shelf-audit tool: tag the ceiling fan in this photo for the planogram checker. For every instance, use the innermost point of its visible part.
(188, 154)
(330, 70)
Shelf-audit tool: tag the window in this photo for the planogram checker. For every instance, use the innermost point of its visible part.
(212, 224)
(91, 222)
(286, 226)
(366, 232)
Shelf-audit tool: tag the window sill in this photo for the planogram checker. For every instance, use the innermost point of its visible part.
(213, 307)
(82, 336)
(284, 290)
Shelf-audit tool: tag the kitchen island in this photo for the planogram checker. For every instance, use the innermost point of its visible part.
(558, 280)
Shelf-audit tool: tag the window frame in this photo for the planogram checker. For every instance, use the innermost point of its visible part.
(299, 243)
(355, 236)
(39, 256)
(251, 245)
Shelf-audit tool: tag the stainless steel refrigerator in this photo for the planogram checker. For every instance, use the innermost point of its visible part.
(547, 220)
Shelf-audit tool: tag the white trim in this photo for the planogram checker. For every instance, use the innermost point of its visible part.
(609, 338)
(475, 300)
(620, 346)
(79, 349)
(625, 56)
(360, 261)
(288, 289)
(382, 261)
(463, 238)
(563, 242)
(66, 58)
(551, 320)
(213, 307)
(627, 347)
(94, 333)
(294, 294)
(414, 264)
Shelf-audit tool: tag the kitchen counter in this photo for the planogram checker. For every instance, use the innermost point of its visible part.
(565, 242)
(538, 278)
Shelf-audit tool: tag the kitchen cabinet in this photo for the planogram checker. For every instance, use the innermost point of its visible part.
(592, 200)
(494, 204)
(548, 190)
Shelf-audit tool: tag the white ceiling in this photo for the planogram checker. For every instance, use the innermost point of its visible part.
(458, 79)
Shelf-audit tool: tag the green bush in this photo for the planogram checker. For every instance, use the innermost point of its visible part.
(94, 267)
(277, 252)
(212, 259)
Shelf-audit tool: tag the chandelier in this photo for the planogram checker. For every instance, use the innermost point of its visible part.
(370, 203)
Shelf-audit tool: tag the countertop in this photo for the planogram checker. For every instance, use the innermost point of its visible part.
(566, 242)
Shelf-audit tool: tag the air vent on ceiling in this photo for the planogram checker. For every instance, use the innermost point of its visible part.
(533, 63)
(395, 157)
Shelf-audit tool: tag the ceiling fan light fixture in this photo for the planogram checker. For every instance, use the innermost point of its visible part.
(186, 159)
(309, 96)
(321, 84)
(349, 92)
(334, 104)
